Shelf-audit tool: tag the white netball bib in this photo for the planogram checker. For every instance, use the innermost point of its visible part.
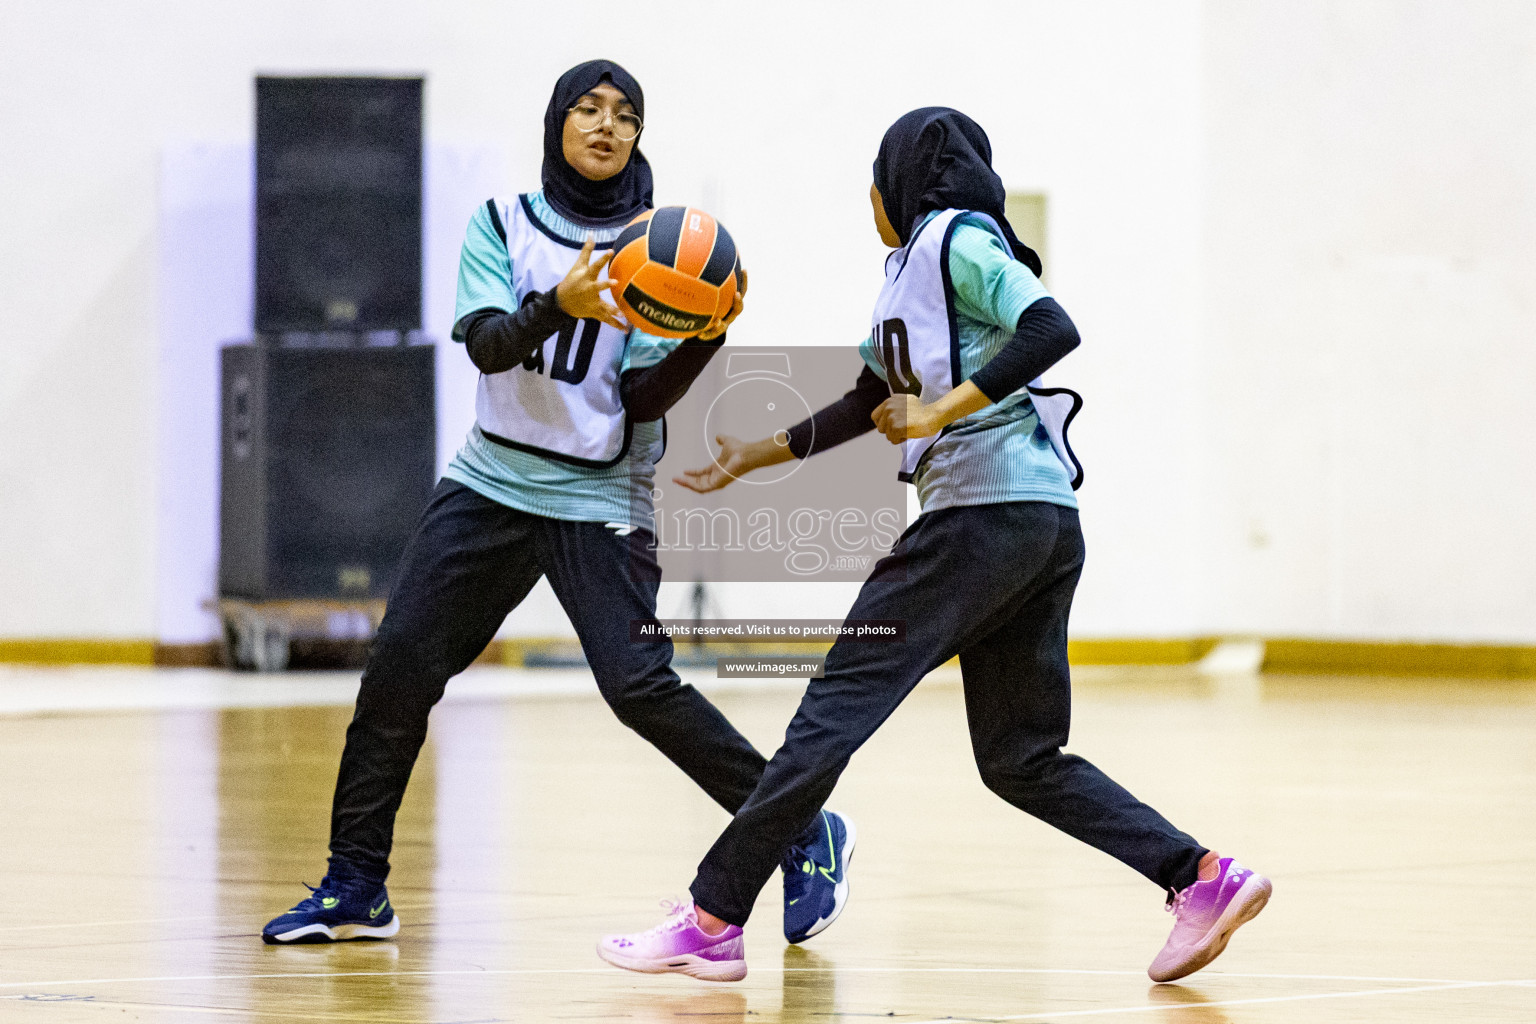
(563, 400)
(916, 338)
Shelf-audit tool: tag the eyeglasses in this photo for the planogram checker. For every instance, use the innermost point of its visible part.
(588, 118)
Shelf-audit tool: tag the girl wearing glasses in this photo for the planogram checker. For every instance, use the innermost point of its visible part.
(554, 481)
(959, 336)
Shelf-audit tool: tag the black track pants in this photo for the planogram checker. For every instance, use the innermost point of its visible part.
(993, 584)
(470, 563)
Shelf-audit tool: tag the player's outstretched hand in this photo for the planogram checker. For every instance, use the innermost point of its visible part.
(902, 417)
(733, 461)
(718, 328)
(581, 293)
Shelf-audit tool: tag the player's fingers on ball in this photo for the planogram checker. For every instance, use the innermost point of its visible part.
(602, 261)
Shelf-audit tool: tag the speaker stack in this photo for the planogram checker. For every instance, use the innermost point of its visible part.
(328, 414)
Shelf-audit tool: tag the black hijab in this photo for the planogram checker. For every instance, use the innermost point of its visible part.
(621, 196)
(935, 158)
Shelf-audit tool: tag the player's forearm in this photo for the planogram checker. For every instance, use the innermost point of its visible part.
(843, 420)
(647, 394)
(1044, 335)
(497, 341)
(763, 453)
(958, 404)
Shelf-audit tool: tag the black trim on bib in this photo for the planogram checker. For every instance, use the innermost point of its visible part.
(908, 249)
(548, 232)
(569, 460)
(501, 229)
(1077, 404)
(949, 302)
(954, 327)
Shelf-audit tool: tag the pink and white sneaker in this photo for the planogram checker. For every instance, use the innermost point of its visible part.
(1206, 914)
(678, 945)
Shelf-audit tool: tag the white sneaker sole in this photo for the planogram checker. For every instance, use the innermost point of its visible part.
(840, 891)
(1245, 906)
(691, 964)
(341, 932)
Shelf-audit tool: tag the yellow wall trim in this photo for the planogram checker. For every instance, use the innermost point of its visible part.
(1130, 651)
(1283, 654)
(1391, 658)
(72, 651)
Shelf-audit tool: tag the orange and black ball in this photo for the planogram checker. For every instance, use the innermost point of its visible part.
(674, 271)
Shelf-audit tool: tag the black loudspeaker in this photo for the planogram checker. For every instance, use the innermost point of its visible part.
(328, 461)
(338, 204)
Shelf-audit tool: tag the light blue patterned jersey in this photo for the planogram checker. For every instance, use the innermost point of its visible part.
(999, 453)
(522, 480)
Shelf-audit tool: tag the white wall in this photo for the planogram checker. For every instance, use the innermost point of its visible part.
(1370, 267)
(1214, 263)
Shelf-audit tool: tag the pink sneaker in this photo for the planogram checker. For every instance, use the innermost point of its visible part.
(1206, 914)
(679, 945)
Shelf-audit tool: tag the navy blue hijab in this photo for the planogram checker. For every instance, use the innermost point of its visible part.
(619, 197)
(936, 158)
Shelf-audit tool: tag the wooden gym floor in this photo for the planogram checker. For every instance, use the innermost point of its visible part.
(144, 848)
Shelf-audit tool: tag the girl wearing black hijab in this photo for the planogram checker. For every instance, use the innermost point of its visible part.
(554, 481)
(960, 334)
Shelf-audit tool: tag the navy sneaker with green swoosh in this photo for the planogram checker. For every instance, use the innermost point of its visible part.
(338, 910)
(816, 875)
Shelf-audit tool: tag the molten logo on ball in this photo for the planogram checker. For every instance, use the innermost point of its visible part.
(654, 313)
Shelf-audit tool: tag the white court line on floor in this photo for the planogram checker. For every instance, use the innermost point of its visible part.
(1426, 986)
(1158, 1008)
